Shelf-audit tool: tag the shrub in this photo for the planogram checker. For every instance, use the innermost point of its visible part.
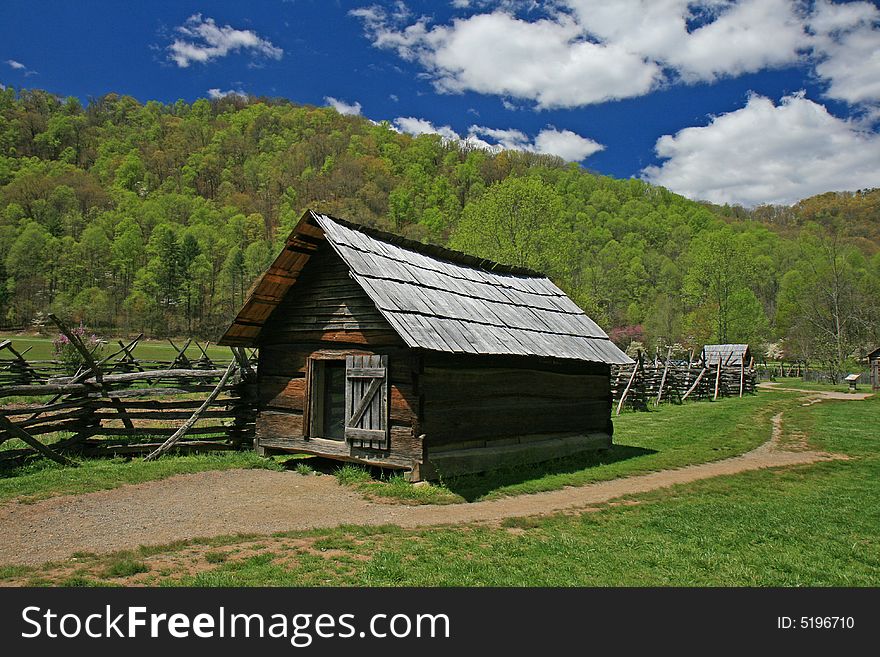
(69, 355)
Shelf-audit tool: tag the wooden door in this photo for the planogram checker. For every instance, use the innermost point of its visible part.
(366, 401)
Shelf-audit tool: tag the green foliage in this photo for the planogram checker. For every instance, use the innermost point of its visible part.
(304, 469)
(158, 218)
(828, 301)
(717, 279)
(126, 567)
(517, 221)
(348, 475)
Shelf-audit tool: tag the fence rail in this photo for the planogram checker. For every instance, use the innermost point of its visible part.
(124, 405)
(652, 382)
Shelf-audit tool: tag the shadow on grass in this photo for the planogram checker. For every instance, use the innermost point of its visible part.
(470, 488)
(475, 486)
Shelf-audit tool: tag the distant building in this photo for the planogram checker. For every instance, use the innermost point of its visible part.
(874, 366)
(728, 354)
(385, 351)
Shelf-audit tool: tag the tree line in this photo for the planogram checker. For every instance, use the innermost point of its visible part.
(158, 217)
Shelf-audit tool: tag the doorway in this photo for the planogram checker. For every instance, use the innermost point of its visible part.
(327, 399)
(334, 400)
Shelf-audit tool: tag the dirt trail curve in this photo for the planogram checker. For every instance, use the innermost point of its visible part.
(263, 501)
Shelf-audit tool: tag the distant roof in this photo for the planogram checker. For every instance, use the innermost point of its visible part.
(874, 354)
(436, 298)
(728, 354)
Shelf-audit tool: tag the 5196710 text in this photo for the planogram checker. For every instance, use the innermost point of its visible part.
(815, 623)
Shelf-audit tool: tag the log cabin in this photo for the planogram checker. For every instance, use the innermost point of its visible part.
(384, 351)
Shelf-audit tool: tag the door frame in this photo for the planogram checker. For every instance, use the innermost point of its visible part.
(313, 404)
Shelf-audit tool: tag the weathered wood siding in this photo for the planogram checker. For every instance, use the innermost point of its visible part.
(327, 305)
(485, 399)
(327, 315)
(484, 412)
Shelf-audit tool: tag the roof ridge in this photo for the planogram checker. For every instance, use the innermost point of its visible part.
(435, 250)
(515, 304)
(434, 298)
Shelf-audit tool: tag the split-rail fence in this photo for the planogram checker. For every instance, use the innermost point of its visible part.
(122, 405)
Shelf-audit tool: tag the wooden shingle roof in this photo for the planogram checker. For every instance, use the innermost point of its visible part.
(442, 300)
(728, 354)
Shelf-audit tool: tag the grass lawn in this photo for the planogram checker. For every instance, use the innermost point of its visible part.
(800, 384)
(41, 347)
(44, 478)
(816, 525)
(670, 437)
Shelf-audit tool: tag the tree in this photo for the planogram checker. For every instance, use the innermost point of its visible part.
(825, 304)
(126, 257)
(30, 263)
(237, 174)
(236, 272)
(188, 251)
(718, 271)
(517, 221)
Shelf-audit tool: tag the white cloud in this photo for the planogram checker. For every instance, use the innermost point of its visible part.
(767, 153)
(413, 126)
(511, 140)
(217, 93)
(547, 60)
(353, 109)
(566, 144)
(580, 52)
(202, 40)
(16, 65)
(847, 42)
(549, 141)
(735, 38)
(461, 4)
(828, 17)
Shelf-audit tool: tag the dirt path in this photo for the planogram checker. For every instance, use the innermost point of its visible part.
(263, 502)
(817, 395)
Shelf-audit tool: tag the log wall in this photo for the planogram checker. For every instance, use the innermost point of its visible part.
(487, 412)
(327, 315)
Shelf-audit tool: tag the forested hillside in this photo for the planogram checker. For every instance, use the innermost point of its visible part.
(155, 217)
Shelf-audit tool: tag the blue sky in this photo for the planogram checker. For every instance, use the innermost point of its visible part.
(745, 101)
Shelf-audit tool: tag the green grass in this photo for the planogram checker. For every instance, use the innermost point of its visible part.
(216, 557)
(815, 525)
(44, 478)
(352, 475)
(125, 567)
(46, 439)
(41, 347)
(396, 487)
(304, 468)
(670, 437)
(812, 525)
